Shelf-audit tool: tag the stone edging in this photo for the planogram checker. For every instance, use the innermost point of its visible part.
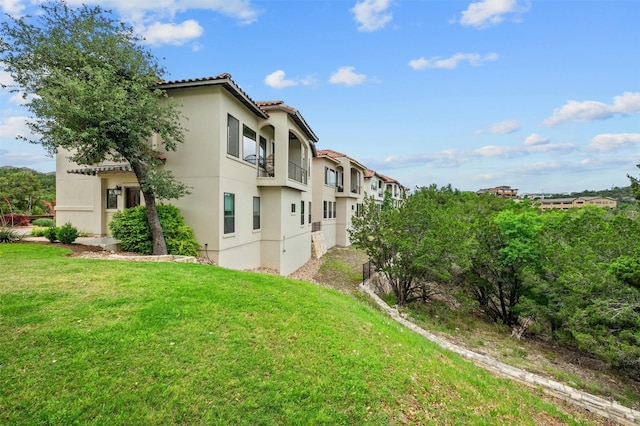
(605, 408)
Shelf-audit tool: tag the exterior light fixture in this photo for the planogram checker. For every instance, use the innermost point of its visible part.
(118, 190)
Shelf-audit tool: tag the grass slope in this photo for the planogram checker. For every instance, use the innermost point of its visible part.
(85, 341)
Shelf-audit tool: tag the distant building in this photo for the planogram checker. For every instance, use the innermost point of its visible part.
(500, 191)
(576, 202)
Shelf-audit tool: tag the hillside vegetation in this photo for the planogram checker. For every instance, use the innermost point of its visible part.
(86, 341)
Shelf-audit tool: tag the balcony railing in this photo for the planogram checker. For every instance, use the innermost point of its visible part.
(265, 166)
(297, 173)
(356, 189)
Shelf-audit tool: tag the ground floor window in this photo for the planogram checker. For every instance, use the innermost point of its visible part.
(112, 198)
(328, 209)
(301, 212)
(256, 212)
(229, 213)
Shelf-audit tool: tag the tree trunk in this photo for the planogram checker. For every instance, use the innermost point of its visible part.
(157, 236)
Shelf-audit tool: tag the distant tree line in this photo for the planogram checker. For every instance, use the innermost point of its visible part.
(26, 191)
(572, 276)
(623, 195)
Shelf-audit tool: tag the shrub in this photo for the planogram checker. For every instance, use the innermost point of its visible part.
(15, 220)
(627, 270)
(51, 234)
(67, 233)
(8, 235)
(44, 222)
(38, 232)
(131, 228)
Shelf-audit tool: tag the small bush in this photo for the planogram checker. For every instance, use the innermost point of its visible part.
(67, 233)
(8, 235)
(51, 234)
(38, 232)
(9, 220)
(131, 228)
(44, 222)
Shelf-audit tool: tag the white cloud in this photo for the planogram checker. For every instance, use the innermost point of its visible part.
(587, 111)
(277, 80)
(153, 19)
(492, 151)
(5, 78)
(501, 128)
(473, 59)
(372, 15)
(242, 10)
(347, 76)
(614, 141)
(486, 13)
(449, 158)
(14, 126)
(535, 139)
(174, 34)
(12, 7)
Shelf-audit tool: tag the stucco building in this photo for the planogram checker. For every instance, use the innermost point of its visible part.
(257, 181)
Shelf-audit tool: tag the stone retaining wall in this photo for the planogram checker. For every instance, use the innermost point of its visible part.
(607, 409)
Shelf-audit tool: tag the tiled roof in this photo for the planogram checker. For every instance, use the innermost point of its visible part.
(335, 154)
(225, 81)
(259, 108)
(293, 113)
(330, 153)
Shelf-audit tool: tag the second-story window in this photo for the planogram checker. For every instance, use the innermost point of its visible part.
(233, 136)
(248, 144)
(329, 176)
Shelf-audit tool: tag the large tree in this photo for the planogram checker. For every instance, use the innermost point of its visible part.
(89, 84)
(411, 245)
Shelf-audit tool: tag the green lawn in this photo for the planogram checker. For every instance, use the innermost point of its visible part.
(86, 341)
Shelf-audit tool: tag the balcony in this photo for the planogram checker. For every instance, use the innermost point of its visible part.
(297, 173)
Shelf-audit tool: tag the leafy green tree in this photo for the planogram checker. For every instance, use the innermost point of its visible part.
(586, 296)
(90, 87)
(21, 189)
(411, 244)
(505, 259)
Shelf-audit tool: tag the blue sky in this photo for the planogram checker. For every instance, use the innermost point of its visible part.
(543, 96)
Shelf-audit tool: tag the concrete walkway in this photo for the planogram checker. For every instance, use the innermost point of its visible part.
(607, 409)
(107, 243)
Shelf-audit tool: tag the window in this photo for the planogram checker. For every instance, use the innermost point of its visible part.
(301, 212)
(233, 136)
(329, 177)
(262, 152)
(248, 144)
(293, 208)
(112, 198)
(329, 209)
(229, 213)
(309, 211)
(256, 212)
(340, 181)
